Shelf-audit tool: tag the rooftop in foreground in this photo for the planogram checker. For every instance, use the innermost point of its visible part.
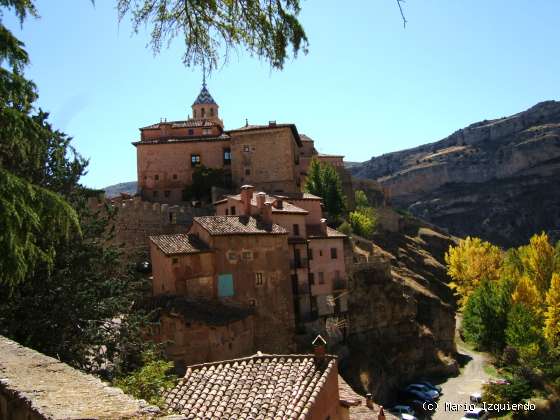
(238, 225)
(259, 386)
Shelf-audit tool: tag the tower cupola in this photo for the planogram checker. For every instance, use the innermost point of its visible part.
(204, 106)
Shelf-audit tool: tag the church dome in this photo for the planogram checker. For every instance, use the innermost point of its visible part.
(204, 97)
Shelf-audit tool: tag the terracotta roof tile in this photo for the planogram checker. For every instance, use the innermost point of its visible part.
(287, 207)
(260, 386)
(314, 231)
(238, 225)
(179, 244)
(182, 124)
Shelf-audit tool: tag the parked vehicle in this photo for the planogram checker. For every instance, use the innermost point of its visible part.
(413, 394)
(476, 398)
(437, 388)
(433, 394)
(405, 412)
(477, 414)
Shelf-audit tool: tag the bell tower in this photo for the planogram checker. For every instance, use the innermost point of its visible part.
(205, 107)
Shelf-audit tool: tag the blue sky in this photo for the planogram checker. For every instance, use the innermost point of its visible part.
(367, 86)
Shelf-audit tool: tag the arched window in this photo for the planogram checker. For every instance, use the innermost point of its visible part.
(211, 112)
(194, 113)
(202, 112)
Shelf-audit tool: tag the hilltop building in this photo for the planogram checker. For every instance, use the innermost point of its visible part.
(274, 157)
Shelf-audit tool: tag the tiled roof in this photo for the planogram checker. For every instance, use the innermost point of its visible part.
(212, 312)
(257, 387)
(315, 231)
(270, 127)
(182, 139)
(179, 244)
(182, 124)
(287, 207)
(204, 97)
(238, 225)
(301, 196)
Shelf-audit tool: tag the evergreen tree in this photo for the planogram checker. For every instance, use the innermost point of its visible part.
(323, 180)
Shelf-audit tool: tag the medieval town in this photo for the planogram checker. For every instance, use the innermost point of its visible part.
(274, 210)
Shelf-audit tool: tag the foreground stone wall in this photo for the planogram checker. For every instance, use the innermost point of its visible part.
(34, 386)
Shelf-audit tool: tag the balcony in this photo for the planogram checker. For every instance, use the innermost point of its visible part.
(340, 284)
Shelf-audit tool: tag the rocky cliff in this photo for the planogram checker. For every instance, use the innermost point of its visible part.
(401, 311)
(496, 179)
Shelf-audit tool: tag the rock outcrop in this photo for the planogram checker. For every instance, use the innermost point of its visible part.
(495, 179)
(401, 311)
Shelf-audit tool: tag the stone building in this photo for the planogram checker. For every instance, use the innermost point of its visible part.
(237, 265)
(317, 256)
(286, 386)
(272, 157)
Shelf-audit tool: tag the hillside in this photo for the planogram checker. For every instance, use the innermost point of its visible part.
(495, 179)
(124, 187)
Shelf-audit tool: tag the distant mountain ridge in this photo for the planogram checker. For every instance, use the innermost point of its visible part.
(498, 179)
(124, 187)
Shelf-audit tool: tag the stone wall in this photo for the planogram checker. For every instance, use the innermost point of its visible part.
(34, 386)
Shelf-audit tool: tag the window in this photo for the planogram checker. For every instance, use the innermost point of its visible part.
(191, 131)
(211, 112)
(252, 302)
(320, 253)
(231, 256)
(247, 171)
(195, 160)
(311, 279)
(156, 177)
(155, 193)
(247, 255)
(225, 285)
(167, 193)
(296, 229)
(174, 176)
(194, 116)
(232, 210)
(259, 279)
(334, 254)
(321, 278)
(227, 212)
(145, 176)
(175, 260)
(207, 131)
(227, 156)
(246, 148)
(203, 112)
(310, 253)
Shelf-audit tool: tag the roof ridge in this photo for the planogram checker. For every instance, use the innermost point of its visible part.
(261, 356)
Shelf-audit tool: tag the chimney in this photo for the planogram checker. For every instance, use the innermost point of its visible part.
(381, 415)
(369, 401)
(272, 123)
(267, 213)
(246, 197)
(279, 203)
(261, 199)
(324, 226)
(319, 348)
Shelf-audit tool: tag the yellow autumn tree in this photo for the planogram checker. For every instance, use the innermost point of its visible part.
(552, 315)
(538, 260)
(471, 261)
(527, 294)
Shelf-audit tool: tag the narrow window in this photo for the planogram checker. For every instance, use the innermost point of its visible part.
(195, 160)
(174, 176)
(232, 210)
(211, 112)
(194, 116)
(155, 193)
(203, 112)
(246, 148)
(252, 302)
(310, 253)
(247, 171)
(321, 278)
(247, 255)
(259, 279)
(167, 193)
(320, 253)
(334, 254)
(311, 279)
(296, 229)
(156, 177)
(227, 212)
(191, 131)
(227, 156)
(175, 260)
